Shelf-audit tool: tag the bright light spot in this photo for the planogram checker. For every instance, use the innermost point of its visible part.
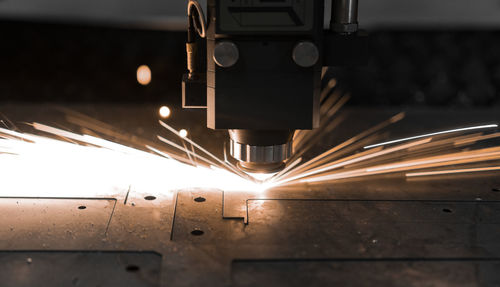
(164, 112)
(143, 75)
(183, 133)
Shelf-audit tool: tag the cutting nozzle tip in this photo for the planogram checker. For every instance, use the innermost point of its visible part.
(253, 167)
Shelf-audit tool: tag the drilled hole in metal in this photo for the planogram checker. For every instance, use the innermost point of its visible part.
(200, 199)
(150, 197)
(447, 210)
(197, 232)
(82, 207)
(132, 268)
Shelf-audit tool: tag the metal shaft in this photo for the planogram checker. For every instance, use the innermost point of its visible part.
(344, 16)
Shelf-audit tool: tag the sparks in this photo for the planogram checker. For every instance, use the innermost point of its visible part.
(164, 112)
(433, 134)
(183, 133)
(34, 165)
(143, 75)
(58, 162)
(346, 160)
(453, 171)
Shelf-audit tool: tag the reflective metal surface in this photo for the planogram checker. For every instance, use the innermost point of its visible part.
(261, 154)
(344, 16)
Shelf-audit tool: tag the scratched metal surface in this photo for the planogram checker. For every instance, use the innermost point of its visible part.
(79, 268)
(381, 231)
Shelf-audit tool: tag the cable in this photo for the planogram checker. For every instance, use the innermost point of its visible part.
(196, 19)
(196, 25)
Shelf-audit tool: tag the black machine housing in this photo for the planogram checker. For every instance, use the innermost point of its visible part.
(266, 90)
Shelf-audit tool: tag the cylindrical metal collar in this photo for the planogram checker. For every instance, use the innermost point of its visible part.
(261, 154)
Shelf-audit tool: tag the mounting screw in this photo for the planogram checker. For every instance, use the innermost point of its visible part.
(305, 54)
(226, 54)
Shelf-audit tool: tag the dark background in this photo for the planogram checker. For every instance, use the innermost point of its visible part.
(64, 62)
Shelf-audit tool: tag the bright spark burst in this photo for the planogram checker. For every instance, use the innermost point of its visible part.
(82, 165)
(39, 166)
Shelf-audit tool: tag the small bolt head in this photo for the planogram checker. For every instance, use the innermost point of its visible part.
(305, 54)
(226, 54)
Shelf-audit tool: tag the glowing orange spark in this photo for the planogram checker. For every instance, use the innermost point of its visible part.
(143, 75)
(183, 133)
(164, 112)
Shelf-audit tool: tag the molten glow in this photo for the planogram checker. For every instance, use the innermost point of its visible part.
(261, 176)
(144, 75)
(183, 133)
(432, 134)
(38, 166)
(164, 112)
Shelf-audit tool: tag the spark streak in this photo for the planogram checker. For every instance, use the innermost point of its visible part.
(404, 166)
(354, 159)
(433, 134)
(453, 171)
(227, 165)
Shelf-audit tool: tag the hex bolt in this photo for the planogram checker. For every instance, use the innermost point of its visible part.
(305, 54)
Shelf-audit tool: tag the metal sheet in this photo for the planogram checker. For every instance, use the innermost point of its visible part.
(361, 229)
(56, 223)
(32, 268)
(366, 273)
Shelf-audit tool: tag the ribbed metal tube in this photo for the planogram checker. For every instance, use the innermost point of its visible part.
(261, 154)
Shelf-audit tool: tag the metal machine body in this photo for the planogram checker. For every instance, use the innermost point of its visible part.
(263, 71)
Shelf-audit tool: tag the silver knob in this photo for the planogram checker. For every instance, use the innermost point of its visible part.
(226, 54)
(305, 54)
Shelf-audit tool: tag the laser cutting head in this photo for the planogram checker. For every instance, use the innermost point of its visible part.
(263, 72)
